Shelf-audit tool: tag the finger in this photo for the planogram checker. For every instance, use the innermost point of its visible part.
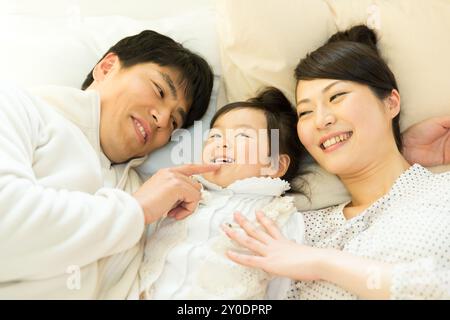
(246, 260)
(185, 210)
(250, 229)
(179, 213)
(190, 169)
(189, 181)
(269, 225)
(189, 198)
(245, 241)
(171, 213)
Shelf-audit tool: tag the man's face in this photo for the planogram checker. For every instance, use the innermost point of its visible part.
(140, 107)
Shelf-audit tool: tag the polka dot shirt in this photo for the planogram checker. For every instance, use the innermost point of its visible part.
(408, 227)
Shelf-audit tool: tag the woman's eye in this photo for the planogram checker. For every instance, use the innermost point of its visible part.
(336, 96)
(304, 113)
(215, 135)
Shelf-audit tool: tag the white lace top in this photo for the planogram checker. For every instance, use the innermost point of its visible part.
(408, 227)
(186, 259)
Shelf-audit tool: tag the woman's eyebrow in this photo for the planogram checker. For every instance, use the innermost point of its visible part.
(328, 87)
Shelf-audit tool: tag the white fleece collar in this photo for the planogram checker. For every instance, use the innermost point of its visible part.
(255, 185)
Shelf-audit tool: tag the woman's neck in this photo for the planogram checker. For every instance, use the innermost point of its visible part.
(372, 182)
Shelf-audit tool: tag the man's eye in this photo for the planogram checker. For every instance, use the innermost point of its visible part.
(215, 135)
(160, 91)
(337, 95)
(304, 113)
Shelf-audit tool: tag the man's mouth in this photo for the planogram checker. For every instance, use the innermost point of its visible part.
(334, 140)
(140, 130)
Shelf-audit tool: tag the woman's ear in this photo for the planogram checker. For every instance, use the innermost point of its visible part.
(105, 66)
(393, 103)
(283, 166)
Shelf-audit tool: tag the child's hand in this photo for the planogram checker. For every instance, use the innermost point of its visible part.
(273, 252)
(428, 142)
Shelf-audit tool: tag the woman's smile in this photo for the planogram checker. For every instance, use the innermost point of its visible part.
(334, 141)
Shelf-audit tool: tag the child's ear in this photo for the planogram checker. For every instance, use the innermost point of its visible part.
(283, 166)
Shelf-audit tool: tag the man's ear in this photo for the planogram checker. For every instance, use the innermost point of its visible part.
(105, 66)
(393, 103)
(283, 166)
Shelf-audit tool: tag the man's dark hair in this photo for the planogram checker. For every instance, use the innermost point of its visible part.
(352, 55)
(280, 115)
(149, 46)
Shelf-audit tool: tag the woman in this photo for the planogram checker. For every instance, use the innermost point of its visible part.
(392, 240)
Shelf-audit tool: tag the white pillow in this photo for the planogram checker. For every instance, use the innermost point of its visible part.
(62, 50)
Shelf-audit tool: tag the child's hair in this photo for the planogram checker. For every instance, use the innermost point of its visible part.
(280, 115)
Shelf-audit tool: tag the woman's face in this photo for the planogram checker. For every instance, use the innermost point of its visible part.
(343, 124)
(238, 140)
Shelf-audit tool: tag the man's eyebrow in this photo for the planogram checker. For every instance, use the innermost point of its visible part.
(170, 83)
(328, 87)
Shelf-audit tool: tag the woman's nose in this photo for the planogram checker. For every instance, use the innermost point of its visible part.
(324, 118)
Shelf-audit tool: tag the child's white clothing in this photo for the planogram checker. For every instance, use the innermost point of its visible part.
(186, 259)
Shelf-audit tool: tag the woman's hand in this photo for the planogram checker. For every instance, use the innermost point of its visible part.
(279, 256)
(273, 252)
(428, 142)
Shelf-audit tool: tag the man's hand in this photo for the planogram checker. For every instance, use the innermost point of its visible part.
(428, 142)
(171, 191)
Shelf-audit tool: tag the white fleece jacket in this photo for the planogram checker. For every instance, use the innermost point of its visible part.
(67, 231)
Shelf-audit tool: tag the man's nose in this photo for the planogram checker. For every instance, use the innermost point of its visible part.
(162, 118)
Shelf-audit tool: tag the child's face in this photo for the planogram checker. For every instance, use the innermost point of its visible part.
(239, 140)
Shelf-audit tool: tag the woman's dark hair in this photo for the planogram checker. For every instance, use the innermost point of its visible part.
(352, 55)
(280, 115)
(149, 46)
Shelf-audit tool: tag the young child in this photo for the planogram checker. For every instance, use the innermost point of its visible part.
(257, 143)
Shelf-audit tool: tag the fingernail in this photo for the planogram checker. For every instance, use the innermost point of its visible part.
(226, 226)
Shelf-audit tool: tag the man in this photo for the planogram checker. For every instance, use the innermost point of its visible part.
(72, 209)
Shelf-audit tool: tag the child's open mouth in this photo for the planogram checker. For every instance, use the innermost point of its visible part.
(222, 160)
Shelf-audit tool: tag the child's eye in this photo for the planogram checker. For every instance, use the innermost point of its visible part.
(337, 95)
(241, 134)
(214, 136)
